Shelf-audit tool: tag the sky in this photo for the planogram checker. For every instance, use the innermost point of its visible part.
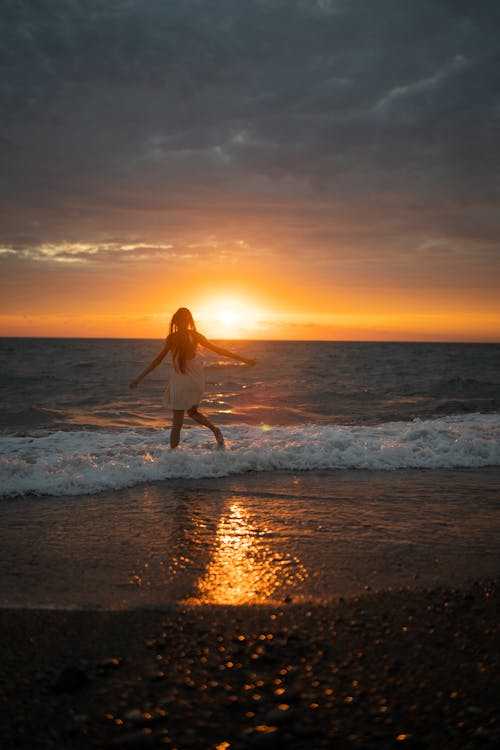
(287, 169)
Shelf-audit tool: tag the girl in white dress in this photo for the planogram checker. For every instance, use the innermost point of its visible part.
(187, 381)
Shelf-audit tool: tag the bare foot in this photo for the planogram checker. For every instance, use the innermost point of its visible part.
(220, 438)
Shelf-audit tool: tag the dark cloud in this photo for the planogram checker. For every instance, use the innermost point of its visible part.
(341, 123)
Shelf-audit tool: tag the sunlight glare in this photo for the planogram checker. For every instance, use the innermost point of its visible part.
(243, 568)
(228, 316)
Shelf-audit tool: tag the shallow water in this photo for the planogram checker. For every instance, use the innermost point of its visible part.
(257, 538)
(348, 467)
(70, 424)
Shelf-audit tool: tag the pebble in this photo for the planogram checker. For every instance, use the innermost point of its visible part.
(135, 715)
(337, 683)
(144, 718)
(474, 710)
(112, 662)
(278, 716)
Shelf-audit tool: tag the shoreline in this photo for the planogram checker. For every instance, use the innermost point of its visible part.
(415, 668)
(252, 539)
(344, 611)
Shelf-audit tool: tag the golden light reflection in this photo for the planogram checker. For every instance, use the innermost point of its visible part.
(243, 568)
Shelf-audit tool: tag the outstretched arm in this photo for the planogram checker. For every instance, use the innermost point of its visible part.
(224, 352)
(156, 361)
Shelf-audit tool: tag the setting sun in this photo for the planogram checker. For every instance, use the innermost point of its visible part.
(227, 317)
(233, 317)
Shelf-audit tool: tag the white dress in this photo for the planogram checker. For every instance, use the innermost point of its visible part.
(186, 388)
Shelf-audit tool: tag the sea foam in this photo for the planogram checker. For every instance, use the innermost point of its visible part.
(80, 462)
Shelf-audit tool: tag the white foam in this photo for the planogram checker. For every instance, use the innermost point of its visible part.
(79, 462)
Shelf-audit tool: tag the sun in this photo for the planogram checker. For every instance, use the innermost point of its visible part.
(228, 317)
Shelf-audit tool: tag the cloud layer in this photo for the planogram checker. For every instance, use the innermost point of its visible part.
(363, 135)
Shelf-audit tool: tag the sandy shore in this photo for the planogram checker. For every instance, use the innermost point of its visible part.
(416, 668)
(211, 616)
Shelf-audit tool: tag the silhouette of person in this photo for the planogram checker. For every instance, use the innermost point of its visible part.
(187, 381)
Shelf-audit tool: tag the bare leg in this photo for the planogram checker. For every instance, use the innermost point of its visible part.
(201, 419)
(175, 432)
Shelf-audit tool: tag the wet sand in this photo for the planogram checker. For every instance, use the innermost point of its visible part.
(257, 538)
(411, 669)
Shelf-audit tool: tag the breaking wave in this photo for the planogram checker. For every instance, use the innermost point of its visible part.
(81, 462)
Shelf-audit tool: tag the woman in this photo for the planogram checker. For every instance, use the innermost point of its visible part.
(187, 381)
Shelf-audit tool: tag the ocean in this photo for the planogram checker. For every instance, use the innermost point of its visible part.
(348, 467)
(70, 425)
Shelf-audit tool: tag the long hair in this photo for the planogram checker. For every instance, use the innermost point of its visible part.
(183, 343)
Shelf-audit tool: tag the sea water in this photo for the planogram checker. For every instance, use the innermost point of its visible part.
(70, 425)
(347, 466)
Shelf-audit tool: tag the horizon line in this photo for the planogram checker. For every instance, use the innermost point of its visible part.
(271, 340)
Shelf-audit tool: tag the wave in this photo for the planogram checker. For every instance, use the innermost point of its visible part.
(457, 387)
(80, 462)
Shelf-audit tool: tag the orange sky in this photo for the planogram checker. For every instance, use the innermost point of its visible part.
(287, 170)
(235, 296)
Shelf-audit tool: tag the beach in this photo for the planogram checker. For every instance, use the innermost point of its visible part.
(330, 580)
(223, 615)
(414, 668)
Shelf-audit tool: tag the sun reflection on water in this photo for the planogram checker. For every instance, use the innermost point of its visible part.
(243, 568)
